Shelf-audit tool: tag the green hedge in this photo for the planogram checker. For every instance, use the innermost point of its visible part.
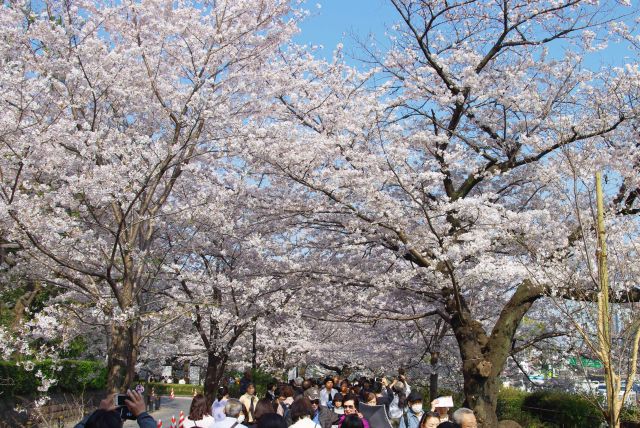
(260, 380)
(509, 407)
(165, 388)
(562, 409)
(73, 377)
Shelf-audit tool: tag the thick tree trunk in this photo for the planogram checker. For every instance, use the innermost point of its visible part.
(123, 354)
(483, 356)
(216, 366)
(481, 395)
(478, 371)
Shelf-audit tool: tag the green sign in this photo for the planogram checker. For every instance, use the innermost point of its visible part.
(585, 362)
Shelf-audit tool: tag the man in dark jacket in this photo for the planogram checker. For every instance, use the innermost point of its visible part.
(109, 415)
(322, 415)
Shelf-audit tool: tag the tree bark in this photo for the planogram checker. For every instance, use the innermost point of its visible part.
(254, 347)
(24, 303)
(483, 356)
(433, 377)
(123, 354)
(216, 366)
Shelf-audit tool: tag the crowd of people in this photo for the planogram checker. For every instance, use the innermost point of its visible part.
(333, 402)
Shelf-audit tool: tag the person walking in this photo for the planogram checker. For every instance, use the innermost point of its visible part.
(298, 390)
(351, 406)
(430, 420)
(285, 400)
(401, 390)
(199, 414)
(217, 408)
(338, 409)
(245, 380)
(271, 391)
(233, 418)
(264, 407)
(322, 416)
(344, 387)
(108, 415)
(413, 413)
(271, 420)
(301, 414)
(352, 421)
(465, 418)
(249, 401)
(327, 393)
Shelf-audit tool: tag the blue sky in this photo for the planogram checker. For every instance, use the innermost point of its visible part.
(345, 21)
(338, 21)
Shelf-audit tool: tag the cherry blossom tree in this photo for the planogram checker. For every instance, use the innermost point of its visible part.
(441, 162)
(171, 168)
(107, 105)
(230, 272)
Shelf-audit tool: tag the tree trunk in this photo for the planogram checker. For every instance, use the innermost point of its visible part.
(481, 395)
(185, 371)
(216, 366)
(123, 354)
(24, 303)
(254, 347)
(484, 357)
(433, 377)
(480, 375)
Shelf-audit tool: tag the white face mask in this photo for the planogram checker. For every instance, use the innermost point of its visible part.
(240, 418)
(416, 408)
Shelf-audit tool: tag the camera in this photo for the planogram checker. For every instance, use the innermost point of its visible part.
(122, 409)
(125, 413)
(119, 400)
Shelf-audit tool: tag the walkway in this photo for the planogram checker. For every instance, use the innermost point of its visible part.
(168, 408)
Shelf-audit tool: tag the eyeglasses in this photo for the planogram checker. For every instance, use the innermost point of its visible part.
(349, 406)
(315, 401)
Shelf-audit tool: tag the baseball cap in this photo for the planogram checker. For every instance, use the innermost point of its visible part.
(313, 394)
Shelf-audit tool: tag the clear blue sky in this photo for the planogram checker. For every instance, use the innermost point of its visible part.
(350, 21)
(342, 21)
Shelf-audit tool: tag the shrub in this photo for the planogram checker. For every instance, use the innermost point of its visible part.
(562, 409)
(509, 407)
(631, 415)
(510, 403)
(260, 380)
(75, 375)
(179, 390)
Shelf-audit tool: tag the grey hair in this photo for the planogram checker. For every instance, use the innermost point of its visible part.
(459, 414)
(399, 387)
(233, 408)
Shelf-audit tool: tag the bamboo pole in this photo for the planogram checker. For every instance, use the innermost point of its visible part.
(604, 314)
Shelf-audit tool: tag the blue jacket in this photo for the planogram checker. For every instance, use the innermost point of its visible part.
(411, 418)
(145, 420)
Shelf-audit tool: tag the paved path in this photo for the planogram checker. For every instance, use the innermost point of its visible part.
(168, 408)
